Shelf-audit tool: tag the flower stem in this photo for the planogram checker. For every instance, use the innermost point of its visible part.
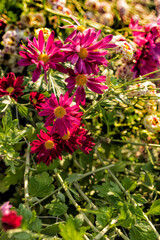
(73, 201)
(26, 175)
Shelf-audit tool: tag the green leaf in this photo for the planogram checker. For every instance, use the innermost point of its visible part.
(142, 231)
(40, 185)
(155, 208)
(13, 178)
(104, 217)
(51, 230)
(126, 218)
(56, 208)
(23, 111)
(139, 199)
(7, 121)
(68, 231)
(73, 177)
(29, 221)
(22, 235)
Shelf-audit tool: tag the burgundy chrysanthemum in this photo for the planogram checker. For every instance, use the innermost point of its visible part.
(47, 147)
(62, 115)
(85, 52)
(11, 86)
(77, 137)
(86, 141)
(36, 100)
(11, 220)
(81, 80)
(46, 55)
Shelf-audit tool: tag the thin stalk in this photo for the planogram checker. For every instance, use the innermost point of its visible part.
(121, 234)
(96, 170)
(104, 230)
(41, 200)
(74, 202)
(26, 176)
(77, 186)
(133, 143)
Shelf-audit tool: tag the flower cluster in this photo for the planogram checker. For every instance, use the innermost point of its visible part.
(10, 219)
(142, 89)
(148, 55)
(67, 132)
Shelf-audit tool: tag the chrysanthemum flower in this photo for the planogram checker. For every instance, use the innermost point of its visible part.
(11, 220)
(76, 138)
(81, 80)
(152, 123)
(47, 147)
(86, 52)
(61, 114)
(37, 99)
(5, 208)
(11, 86)
(42, 55)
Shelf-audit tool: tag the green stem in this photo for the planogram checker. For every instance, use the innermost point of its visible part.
(73, 201)
(26, 176)
(104, 230)
(77, 186)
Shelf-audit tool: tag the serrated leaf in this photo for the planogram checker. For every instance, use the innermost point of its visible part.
(155, 208)
(40, 185)
(141, 231)
(23, 111)
(68, 231)
(56, 207)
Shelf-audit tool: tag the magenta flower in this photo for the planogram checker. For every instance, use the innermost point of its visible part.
(11, 86)
(81, 80)
(62, 115)
(85, 52)
(42, 55)
(47, 147)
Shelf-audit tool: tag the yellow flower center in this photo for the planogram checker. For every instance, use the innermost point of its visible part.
(59, 112)
(81, 80)
(66, 136)
(155, 121)
(126, 46)
(83, 53)
(10, 89)
(80, 28)
(43, 57)
(34, 101)
(49, 144)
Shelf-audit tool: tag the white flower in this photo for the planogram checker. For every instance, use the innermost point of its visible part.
(152, 123)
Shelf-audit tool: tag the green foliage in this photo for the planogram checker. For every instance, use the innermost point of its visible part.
(69, 230)
(40, 185)
(141, 231)
(56, 207)
(155, 208)
(30, 220)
